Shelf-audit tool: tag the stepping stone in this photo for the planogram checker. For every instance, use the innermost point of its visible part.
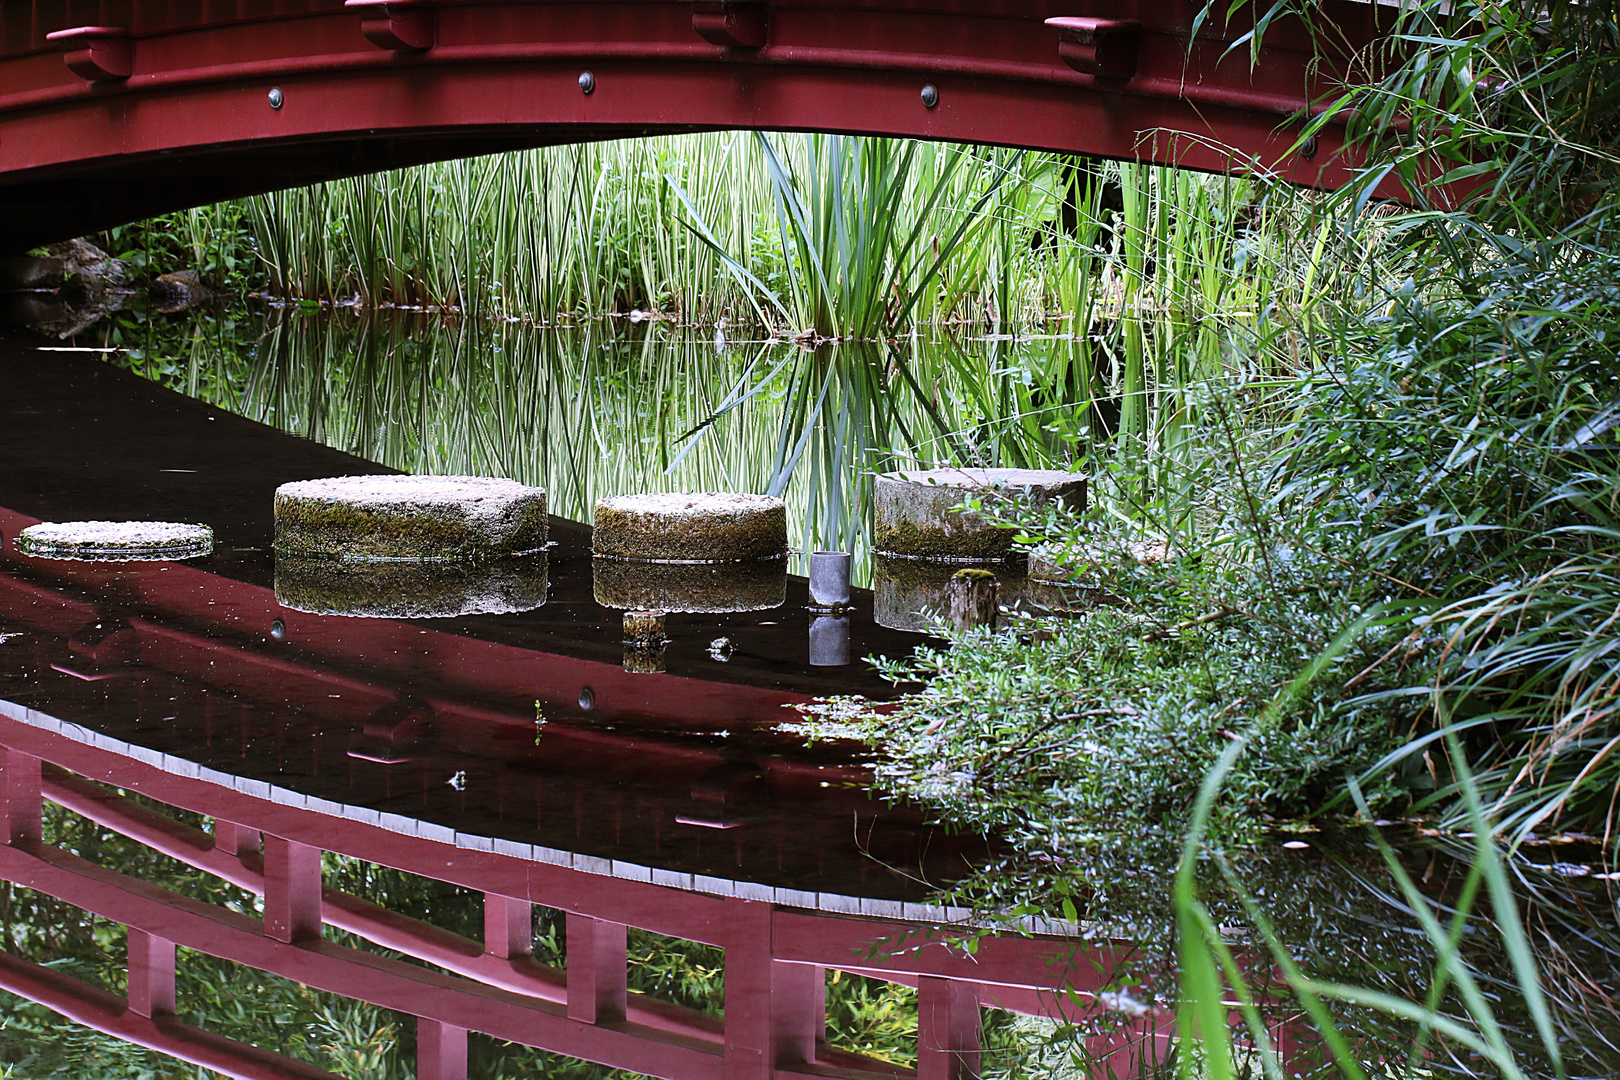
(690, 528)
(410, 590)
(410, 517)
(699, 588)
(913, 516)
(115, 540)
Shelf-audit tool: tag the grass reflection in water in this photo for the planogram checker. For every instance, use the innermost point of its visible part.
(608, 408)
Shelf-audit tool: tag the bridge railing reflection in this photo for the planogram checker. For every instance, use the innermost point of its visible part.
(776, 958)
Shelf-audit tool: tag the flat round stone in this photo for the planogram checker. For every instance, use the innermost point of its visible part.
(913, 515)
(410, 590)
(691, 527)
(410, 517)
(115, 540)
(699, 588)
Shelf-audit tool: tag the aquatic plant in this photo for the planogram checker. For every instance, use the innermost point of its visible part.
(1460, 1015)
(867, 227)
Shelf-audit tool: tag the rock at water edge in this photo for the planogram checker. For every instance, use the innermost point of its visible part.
(688, 527)
(914, 515)
(410, 517)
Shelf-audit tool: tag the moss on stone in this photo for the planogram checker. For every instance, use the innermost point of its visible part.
(705, 527)
(115, 541)
(907, 539)
(421, 530)
(914, 513)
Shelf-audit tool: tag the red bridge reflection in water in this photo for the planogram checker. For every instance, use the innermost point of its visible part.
(340, 734)
(105, 669)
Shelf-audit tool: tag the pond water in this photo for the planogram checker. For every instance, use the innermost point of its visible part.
(588, 866)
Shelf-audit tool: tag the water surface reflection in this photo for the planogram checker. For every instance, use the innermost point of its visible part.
(524, 839)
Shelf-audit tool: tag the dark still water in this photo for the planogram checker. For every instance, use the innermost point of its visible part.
(247, 832)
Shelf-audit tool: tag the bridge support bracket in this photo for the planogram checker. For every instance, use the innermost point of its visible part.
(399, 25)
(730, 24)
(1101, 48)
(97, 53)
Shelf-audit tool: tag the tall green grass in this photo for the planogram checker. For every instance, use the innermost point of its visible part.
(1065, 310)
(845, 237)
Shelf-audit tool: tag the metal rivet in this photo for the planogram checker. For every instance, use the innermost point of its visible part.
(587, 82)
(1308, 150)
(930, 96)
(278, 630)
(587, 698)
(277, 98)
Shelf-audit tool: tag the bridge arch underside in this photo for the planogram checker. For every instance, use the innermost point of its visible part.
(115, 111)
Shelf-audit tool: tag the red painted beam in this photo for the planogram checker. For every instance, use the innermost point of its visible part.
(947, 1029)
(19, 797)
(93, 1007)
(198, 95)
(359, 975)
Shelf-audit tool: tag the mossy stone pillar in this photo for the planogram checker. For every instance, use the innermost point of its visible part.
(683, 527)
(705, 552)
(410, 517)
(914, 515)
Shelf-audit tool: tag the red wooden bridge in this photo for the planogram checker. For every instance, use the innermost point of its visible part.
(112, 110)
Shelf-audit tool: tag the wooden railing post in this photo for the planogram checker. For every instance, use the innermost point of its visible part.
(947, 1029)
(596, 969)
(441, 1051)
(237, 840)
(775, 1011)
(292, 890)
(151, 974)
(508, 926)
(19, 798)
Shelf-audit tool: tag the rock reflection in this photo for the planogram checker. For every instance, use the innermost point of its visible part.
(410, 590)
(704, 588)
(912, 595)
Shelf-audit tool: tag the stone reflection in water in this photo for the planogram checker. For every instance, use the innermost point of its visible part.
(410, 590)
(698, 588)
(913, 595)
(644, 642)
(69, 289)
